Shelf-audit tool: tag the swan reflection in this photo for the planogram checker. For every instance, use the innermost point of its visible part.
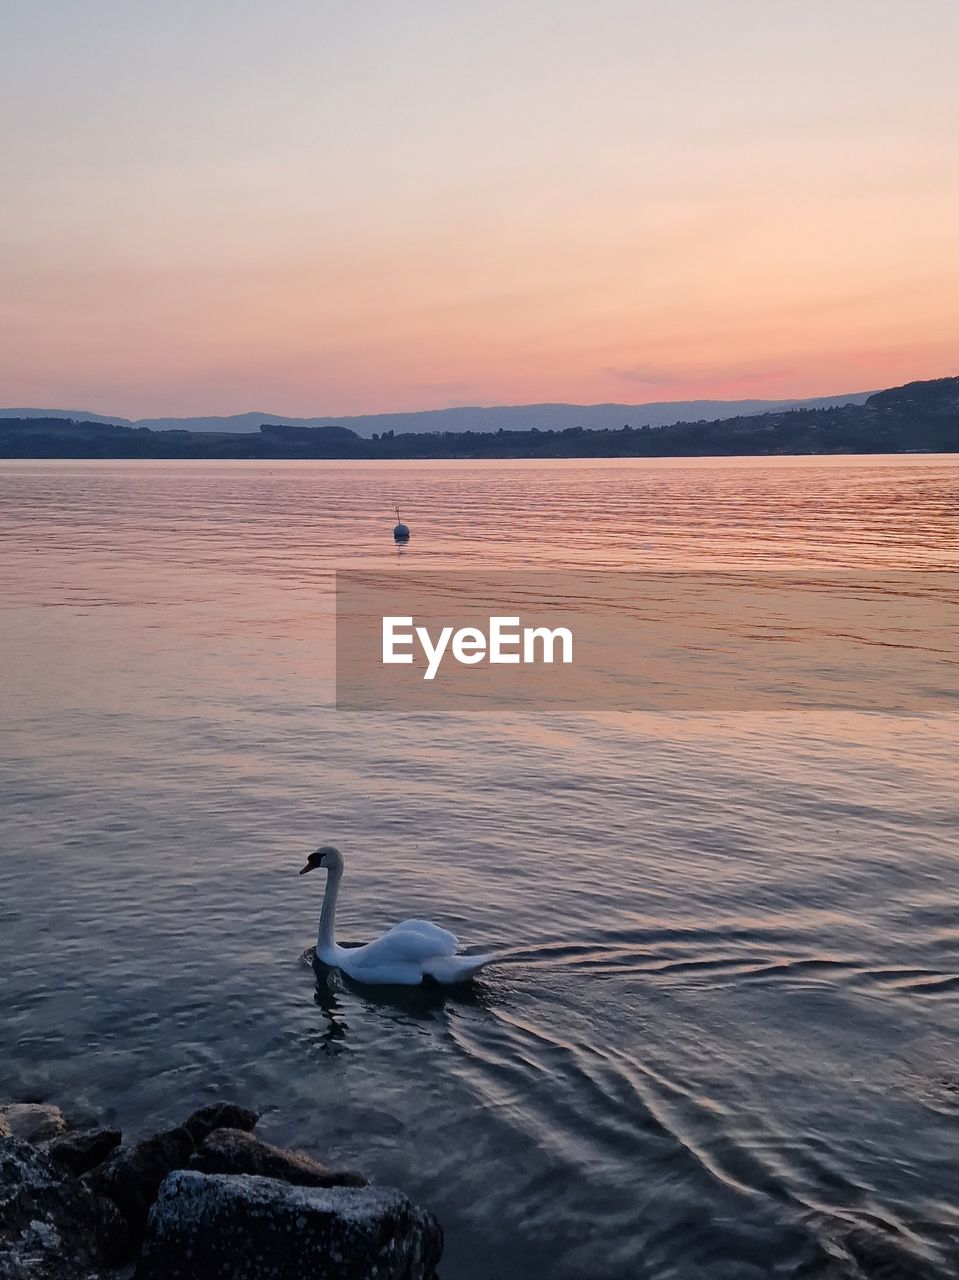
(424, 1003)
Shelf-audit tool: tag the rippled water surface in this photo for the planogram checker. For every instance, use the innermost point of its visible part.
(723, 1040)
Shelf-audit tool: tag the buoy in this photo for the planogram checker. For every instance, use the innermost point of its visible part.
(401, 531)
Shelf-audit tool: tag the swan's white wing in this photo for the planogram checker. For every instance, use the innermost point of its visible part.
(446, 943)
(403, 946)
(453, 969)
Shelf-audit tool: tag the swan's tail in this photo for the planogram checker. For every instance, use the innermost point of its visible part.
(451, 969)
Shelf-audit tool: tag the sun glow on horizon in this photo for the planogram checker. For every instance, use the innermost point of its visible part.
(309, 209)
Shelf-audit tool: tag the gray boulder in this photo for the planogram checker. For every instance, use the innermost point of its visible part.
(232, 1227)
(232, 1151)
(219, 1115)
(83, 1150)
(131, 1176)
(52, 1227)
(31, 1121)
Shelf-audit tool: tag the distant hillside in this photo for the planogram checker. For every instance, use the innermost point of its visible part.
(919, 417)
(522, 417)
(78, 415)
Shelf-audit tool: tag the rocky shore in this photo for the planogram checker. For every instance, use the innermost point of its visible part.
(207, 1200)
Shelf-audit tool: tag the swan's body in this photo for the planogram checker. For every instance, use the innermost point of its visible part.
(404, 956)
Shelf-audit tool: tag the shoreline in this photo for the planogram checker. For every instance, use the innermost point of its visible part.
(919, 418)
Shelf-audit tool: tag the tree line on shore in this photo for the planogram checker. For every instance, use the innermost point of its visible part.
(918, 417)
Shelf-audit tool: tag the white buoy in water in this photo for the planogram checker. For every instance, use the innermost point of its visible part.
(401, 531)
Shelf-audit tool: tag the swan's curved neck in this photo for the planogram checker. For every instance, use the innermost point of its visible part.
(325, 936)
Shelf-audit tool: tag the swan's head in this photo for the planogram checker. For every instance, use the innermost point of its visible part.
(326, 856)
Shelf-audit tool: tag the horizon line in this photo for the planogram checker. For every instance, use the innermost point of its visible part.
(469, 408)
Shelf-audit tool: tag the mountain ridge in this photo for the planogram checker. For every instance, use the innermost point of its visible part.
(917, 417)
(523, 417)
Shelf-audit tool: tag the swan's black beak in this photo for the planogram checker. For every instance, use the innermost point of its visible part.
(309, 867)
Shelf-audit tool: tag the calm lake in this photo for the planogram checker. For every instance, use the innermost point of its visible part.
(722, 1044)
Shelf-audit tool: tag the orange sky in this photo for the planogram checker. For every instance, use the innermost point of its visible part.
(314, 208)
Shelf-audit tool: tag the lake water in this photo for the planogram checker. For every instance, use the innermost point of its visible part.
(722, 1044)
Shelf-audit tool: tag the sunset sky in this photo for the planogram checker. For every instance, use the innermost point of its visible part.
(323, 207)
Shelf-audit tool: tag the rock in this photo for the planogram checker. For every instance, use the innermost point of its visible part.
(31, 1121)
(219, 1115)
(84, 1150)
(233, 1227)
(232, 1151)
(52, 1227)
(131, 1176)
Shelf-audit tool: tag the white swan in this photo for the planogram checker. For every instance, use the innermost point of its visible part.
(403, 956)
